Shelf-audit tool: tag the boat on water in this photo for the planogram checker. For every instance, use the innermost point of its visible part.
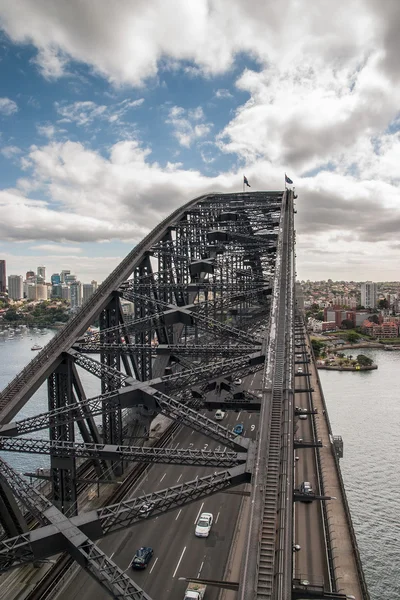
(36, 347)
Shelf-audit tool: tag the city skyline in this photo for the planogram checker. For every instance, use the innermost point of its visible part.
(108, 127)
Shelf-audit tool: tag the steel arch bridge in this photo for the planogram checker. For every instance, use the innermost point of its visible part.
(198, 288)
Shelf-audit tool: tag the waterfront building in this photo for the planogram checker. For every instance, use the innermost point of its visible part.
(15, 287)
(30, 275)
(65, 292)
(368, 294)
(63, 274)
(36, 291)
(3, 281)
(76, 294)
(87, 291)
(55, 279)
(41, 275)
(68, 279)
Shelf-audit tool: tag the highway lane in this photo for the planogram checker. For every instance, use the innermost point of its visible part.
(177, 552)
(310, 563)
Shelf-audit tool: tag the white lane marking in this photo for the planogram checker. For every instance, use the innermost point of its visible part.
(237, 419)
(177, 516)
(225, 449)
(216, 520)
(154, 564)
(250, 416)
(176, 446)
(198, 514)
(201, 566)
(179, 562)
(112, 555)
(177, 481)
(192, 432)
(162, 477)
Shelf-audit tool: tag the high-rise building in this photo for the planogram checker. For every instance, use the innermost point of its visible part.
(3, 280)
(63, 274)
(55, 279)
(368, 294)
(36, 291)
(65, 292)
(94, 284)
(41, 274)
(30, 275)
(76, 294)
(15, 287)
(69, 279)
(56, 290)
(87, 291)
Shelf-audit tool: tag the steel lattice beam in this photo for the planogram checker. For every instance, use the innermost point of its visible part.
(181, 456)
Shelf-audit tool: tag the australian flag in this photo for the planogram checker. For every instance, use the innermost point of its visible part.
(245, 181)
(288, 180)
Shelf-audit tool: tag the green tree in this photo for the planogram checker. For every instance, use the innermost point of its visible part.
(383, 303)
(352, 337)
(11, 315)
(347, 324)
(317, 347)
(320, 316)
(364, 361)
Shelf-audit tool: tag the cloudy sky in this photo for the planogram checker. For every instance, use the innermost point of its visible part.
(115, 112)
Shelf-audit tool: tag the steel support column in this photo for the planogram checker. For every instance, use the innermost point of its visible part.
(62, 469)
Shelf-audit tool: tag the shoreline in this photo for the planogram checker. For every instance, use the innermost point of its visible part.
(339, 368)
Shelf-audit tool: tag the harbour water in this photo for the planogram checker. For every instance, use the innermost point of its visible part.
(364, 408)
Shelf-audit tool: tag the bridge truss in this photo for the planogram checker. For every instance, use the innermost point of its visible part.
(178, 320)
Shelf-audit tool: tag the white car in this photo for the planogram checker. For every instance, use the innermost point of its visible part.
(203, 525)
(303, 417)
(299, 370)
(146, 509)
(219, 415)
(237, 381)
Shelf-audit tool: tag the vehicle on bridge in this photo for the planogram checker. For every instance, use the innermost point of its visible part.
(238, 429)
(195, 591)
(142, 557)
(146, 509)
(204, 524)
(219, 415)
(305, 488)
(237, 381)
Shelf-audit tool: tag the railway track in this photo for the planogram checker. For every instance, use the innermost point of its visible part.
(46, 587)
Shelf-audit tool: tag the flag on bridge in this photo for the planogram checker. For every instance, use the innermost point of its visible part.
(288, 180)
(245, 182)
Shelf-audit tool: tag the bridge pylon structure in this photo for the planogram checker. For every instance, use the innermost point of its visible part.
(204, 298)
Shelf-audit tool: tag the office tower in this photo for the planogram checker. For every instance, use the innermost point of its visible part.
(30, 275)
(368, 294)
(76, 294)
(68, 278)
(87, 291)
(56, 290)
(41, 274)
(63, 274)
(3, 280)
(15, 287)
(65, 292)
(55, 279)
(94, 284)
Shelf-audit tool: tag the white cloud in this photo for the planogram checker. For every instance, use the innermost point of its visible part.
(7, 107)
(10, 151)
(186, 124)
(57, 248)
(46, 130)
(84, 113)
(221, 93)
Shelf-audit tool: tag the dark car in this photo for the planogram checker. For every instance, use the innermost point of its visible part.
(238, 429)
(142, 558)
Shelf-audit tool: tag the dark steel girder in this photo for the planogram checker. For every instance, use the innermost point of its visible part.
(56, 537)
(180, 349)
(170, 456)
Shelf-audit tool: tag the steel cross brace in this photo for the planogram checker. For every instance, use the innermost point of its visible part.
(70, 535)
(181, 456)
(66, 536)
(195, 349)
